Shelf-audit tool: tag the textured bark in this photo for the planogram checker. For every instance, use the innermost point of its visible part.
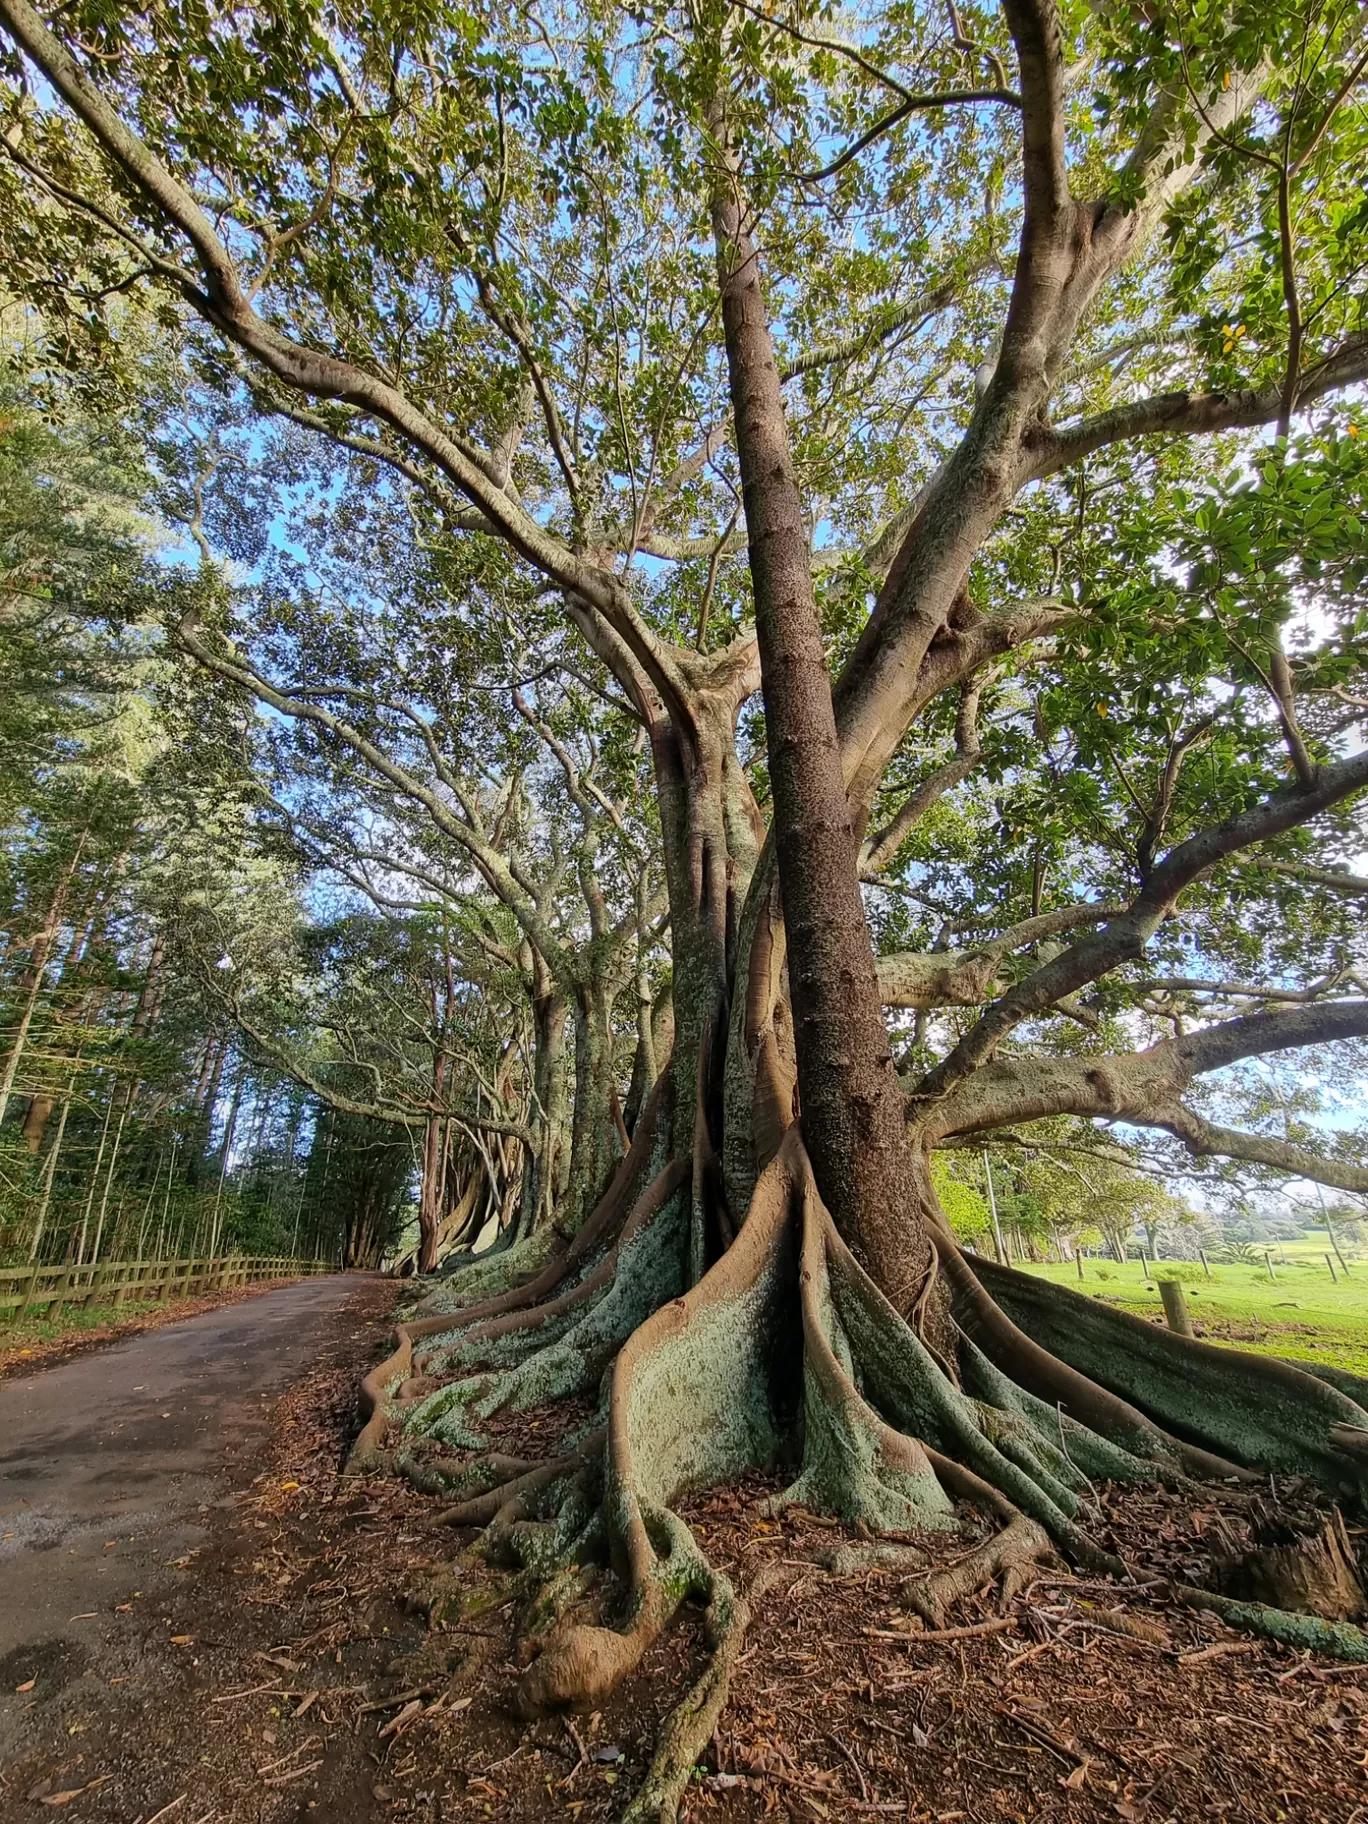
(852, 1105)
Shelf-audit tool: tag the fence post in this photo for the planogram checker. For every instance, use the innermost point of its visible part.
(60, 1296)
(1176, 1312)
(22, 1312)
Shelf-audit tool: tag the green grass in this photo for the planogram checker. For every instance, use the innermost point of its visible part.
(73, 1320)
(1300, 1313)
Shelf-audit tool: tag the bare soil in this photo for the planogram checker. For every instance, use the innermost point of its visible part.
(276, 1673)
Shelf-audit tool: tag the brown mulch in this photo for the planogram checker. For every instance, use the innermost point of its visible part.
(306, 1686)
(21, 1356)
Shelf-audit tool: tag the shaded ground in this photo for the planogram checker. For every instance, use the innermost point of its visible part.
(271, 1672)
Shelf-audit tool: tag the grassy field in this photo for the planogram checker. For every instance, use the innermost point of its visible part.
(1300, 1313)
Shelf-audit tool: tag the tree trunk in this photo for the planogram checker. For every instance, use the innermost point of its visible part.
(853, 1113)
(49, 1172)
(206, 1096)
(546, 1163)
(593, 1138)
(31, 982)
(36, 1118)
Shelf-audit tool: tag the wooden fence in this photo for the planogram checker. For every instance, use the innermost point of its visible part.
(113, 1282)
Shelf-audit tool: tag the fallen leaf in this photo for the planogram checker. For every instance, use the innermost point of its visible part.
(289, 1485)
(29, 1686)
(65, 1798)
(1076, 1778)
(182, 1640)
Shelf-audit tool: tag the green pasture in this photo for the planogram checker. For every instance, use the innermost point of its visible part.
(1300, 1313)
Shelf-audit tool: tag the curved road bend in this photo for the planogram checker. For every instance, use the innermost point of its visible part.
(132, 1445)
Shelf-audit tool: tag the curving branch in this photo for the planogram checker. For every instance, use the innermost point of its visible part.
(967, 977)
(1207, 1139)
(1188, 414)
(1238, 991)
(880, 850)
(1146, 1088)
(1123, 939)
(1353, 884)
(484, 857)
(219, 298)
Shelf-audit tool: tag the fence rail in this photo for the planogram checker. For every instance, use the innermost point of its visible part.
(113, 1282)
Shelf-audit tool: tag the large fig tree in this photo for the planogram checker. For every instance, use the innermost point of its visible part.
(976, 386)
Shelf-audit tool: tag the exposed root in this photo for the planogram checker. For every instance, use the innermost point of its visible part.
(1340, 1639)
(1010, 1554)
(452, 1296)
(1259, 1412)
(688, 1729)
(466, 1479)
(580, 1665)
(785, 1352)
(648, 1271)
(1049, 1375)
(508, 1499)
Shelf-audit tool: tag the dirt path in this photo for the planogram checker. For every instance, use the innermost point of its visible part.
(109, 1463)
(116, 1468)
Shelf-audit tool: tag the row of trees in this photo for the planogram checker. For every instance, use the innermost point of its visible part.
(134, 1118)
(229, 946)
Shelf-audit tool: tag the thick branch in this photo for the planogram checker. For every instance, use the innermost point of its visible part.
(964, 978)
(1124, 938)
(1146, 1087)
(1185, 414)
(476, 473)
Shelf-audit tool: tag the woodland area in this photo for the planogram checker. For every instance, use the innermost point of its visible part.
(654, 636)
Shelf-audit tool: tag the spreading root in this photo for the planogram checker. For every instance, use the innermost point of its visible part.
(783, 1356)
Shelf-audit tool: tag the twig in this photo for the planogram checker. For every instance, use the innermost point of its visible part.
(400, 1698)
(574, 1735)
(999, 1625)
(836, 1741)
(284, 1779)
(166, 1810)
(1219, 1650)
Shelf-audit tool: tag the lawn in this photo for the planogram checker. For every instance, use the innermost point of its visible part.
(1300, 1313)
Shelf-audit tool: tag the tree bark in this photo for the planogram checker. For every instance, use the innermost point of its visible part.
(852, 1106)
